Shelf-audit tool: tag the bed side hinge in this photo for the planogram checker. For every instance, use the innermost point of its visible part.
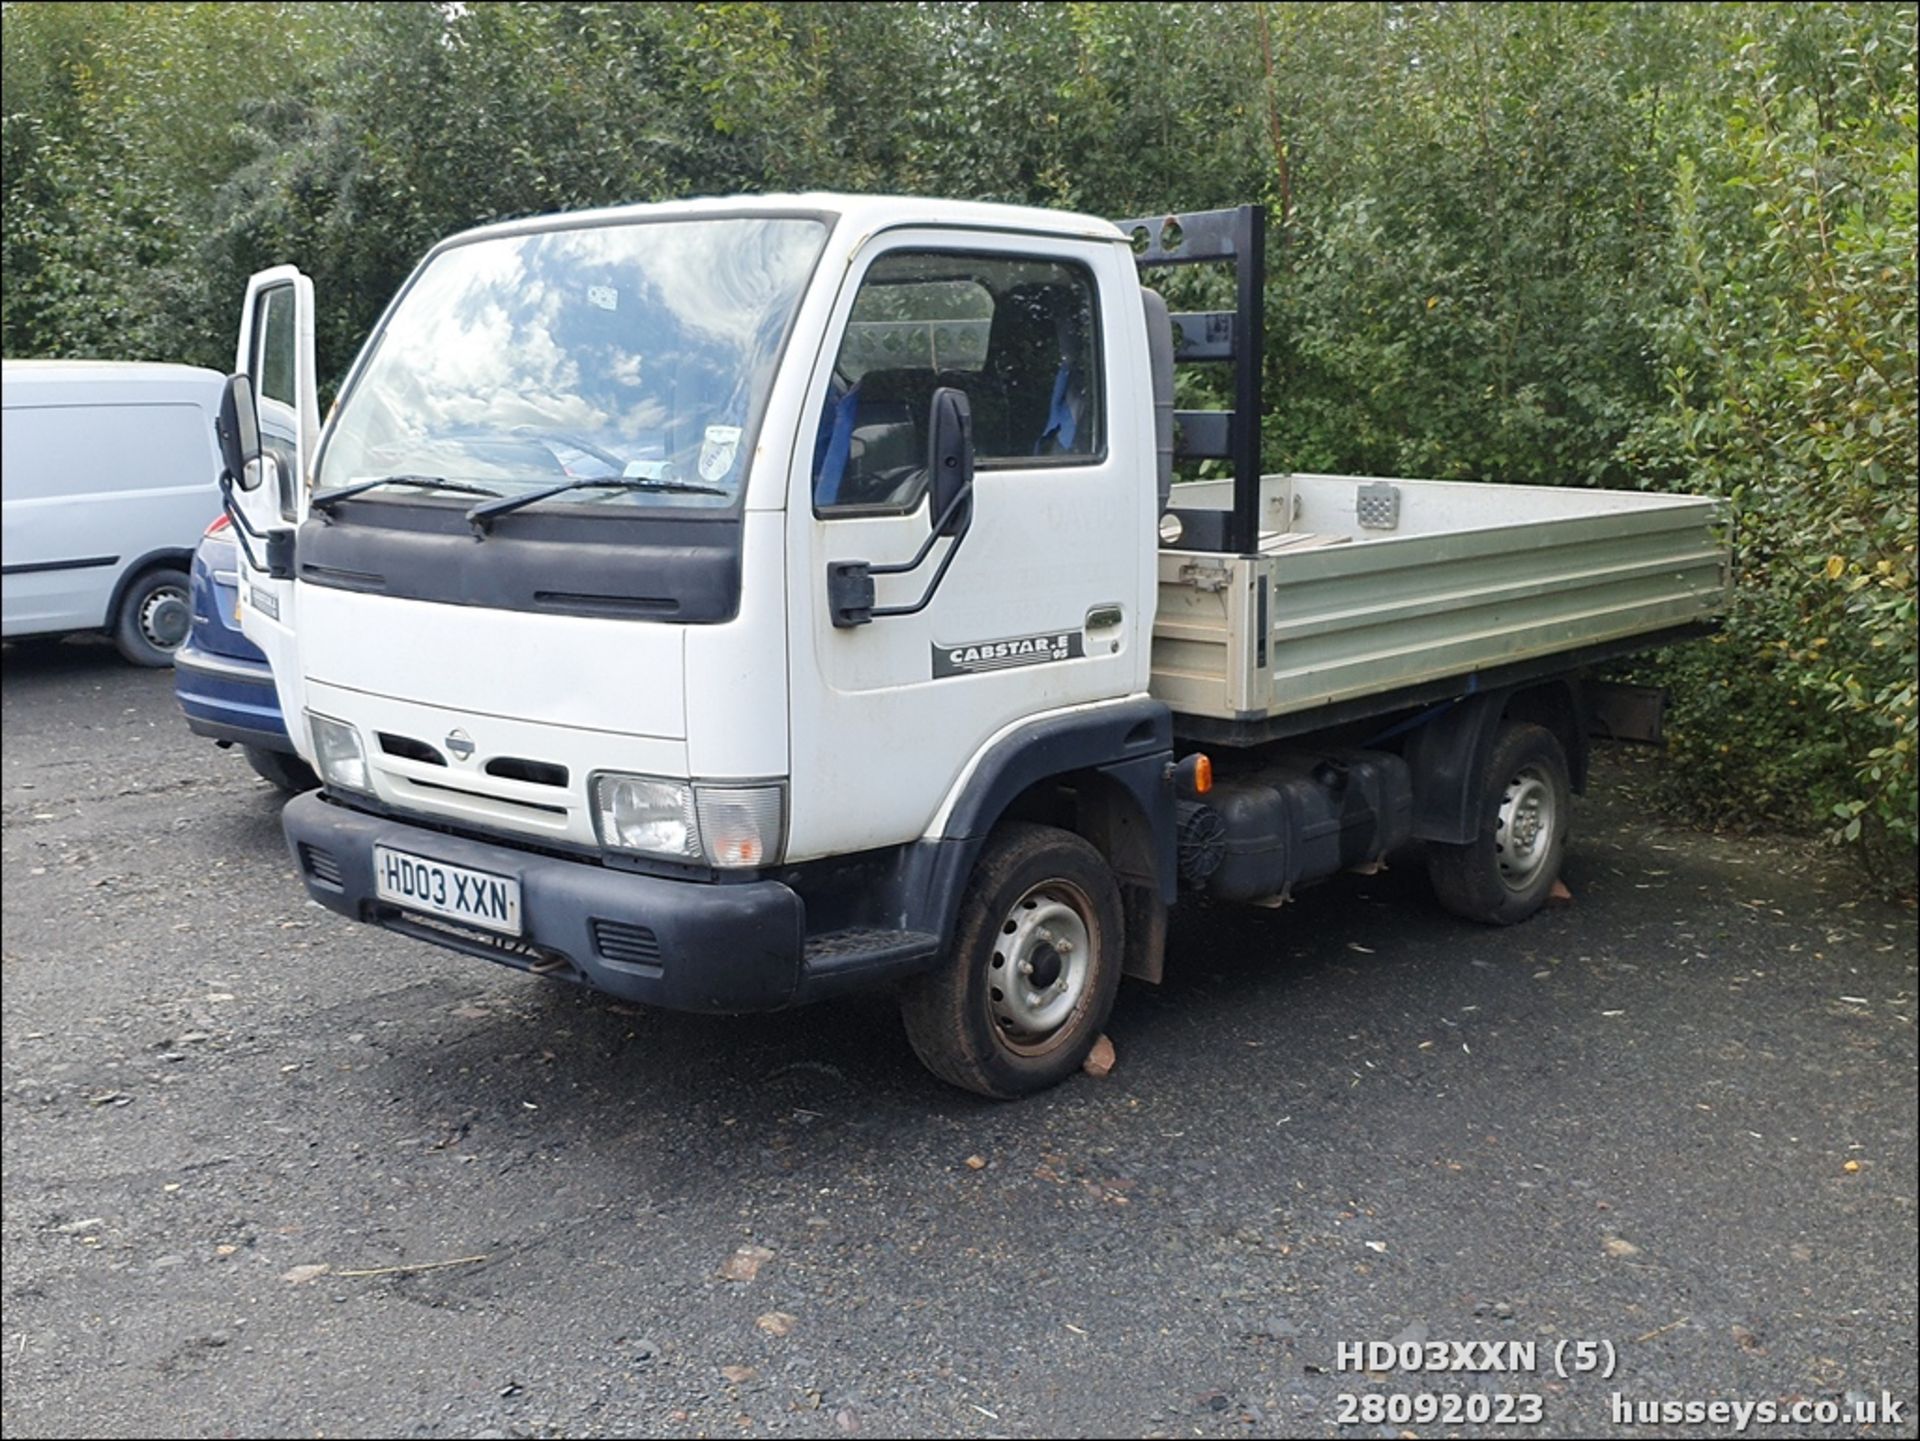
(1205, 575)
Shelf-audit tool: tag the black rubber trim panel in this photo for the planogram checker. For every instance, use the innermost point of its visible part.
(670, 567)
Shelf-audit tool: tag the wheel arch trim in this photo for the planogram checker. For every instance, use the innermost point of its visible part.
(134, 570)
(1119, 752)
(1449, 752)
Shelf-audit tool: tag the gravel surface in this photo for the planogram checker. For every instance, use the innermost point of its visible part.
(271, 1173)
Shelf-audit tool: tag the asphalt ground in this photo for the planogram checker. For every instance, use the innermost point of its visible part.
(1677, 1116)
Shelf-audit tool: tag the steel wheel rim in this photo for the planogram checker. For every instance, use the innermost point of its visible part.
(166, 617)
(1524, 831)
(1038, 975)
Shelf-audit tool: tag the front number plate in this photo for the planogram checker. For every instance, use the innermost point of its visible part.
(476, 897)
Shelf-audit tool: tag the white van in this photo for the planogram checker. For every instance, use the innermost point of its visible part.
(109, 473)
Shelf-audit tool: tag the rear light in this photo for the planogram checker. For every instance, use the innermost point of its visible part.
(220, 523)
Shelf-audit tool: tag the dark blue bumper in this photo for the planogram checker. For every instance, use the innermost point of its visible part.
(220, 678)
(229, 699)
(682, 944)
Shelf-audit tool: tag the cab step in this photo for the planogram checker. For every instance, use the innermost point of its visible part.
(860, 955)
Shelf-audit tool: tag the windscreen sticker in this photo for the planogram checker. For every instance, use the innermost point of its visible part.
(978, 656)
(717, 451)
(603, 296)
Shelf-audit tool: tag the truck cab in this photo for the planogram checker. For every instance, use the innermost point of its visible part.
(629, 697)
(726, 603)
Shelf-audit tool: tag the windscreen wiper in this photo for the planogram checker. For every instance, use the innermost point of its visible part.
(481, 516)
(328, 498)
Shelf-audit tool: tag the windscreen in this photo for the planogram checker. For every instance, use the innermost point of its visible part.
(638, 352)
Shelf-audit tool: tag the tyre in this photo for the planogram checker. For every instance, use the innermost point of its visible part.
(155, 615)
(1525, 805)
(288, 772)
(1032, 972)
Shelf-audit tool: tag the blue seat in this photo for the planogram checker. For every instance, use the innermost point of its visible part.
(1064, 409)
(834, 445)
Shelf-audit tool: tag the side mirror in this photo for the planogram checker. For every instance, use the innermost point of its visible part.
(239, 432)
(950, 460)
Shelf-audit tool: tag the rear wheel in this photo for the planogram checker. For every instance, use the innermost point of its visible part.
(288, 772)
(1032, 972)
(155, 615)
(1525, 803)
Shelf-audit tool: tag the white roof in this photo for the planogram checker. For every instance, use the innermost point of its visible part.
(865, 213)
(90, 382)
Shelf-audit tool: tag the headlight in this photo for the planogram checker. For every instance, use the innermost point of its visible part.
(638, 814)
(729, 826)
(338, 754)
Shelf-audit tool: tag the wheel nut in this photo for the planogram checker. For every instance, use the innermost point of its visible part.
(1026, 968)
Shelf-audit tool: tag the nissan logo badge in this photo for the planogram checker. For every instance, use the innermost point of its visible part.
(460, 743)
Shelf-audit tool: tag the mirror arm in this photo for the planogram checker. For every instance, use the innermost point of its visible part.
(850, 582)
(938, 529)
(241, 530)
(939, 574)
(278, 544)
(850, 592)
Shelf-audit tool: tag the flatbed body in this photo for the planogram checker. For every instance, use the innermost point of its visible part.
(1374, 589)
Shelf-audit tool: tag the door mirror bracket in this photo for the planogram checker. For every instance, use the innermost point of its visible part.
(850, 592)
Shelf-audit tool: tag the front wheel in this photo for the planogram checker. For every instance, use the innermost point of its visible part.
(289, 773)
(1525, 803)
(1032, 972)
(155, 615)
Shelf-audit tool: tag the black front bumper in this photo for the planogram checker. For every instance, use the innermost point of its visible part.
(684, 945)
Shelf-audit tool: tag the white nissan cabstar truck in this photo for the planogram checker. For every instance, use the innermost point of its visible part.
(723, 604)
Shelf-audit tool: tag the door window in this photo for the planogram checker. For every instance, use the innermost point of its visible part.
(274, 348)
(1017, 335)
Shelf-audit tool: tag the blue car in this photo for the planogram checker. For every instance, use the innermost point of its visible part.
(222, 680)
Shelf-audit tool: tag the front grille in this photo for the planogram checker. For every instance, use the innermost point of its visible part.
(410, 749)
(539, 773)
(502, 801)
(322, 865)
(629, 944)
(414, 815)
